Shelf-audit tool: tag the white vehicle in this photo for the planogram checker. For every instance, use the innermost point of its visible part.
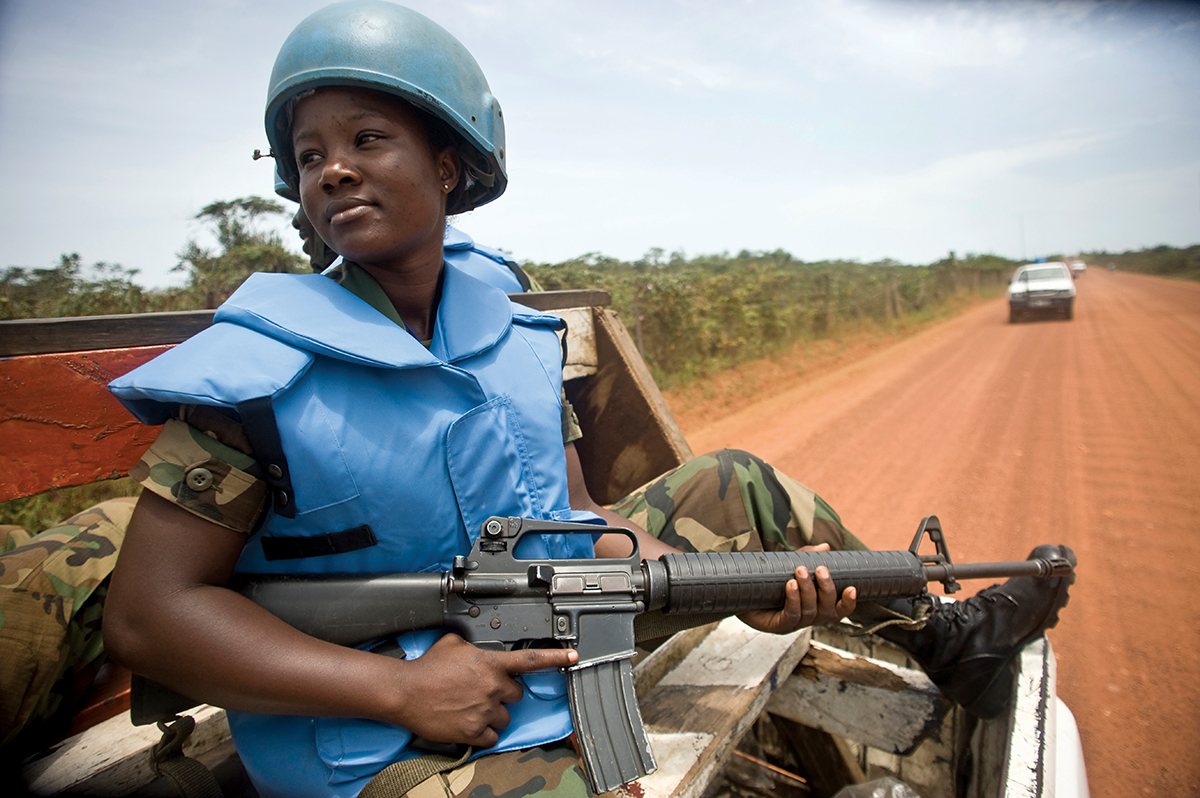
(1041, 288)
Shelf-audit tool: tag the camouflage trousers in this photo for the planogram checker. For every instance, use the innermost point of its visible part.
(730, 500)
(52, 590)
(727, 500)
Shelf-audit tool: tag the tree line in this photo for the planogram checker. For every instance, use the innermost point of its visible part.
(71, 288)
(688, 315)
(692, 316)
(1162, 260)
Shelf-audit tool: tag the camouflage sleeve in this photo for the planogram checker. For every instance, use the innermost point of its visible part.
(196, 466)
(570, 423)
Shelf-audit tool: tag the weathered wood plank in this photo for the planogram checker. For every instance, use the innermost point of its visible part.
(641, 440)
(557, 300)
(89, 333)
(1015, 753)
(581, 343)
(650, 669)
(863, 699)
(697, 712)
(60, 426)
(114, 758)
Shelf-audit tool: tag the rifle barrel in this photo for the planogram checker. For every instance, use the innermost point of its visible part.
(940, 572)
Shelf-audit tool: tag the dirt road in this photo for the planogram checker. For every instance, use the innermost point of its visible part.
(1083, 432)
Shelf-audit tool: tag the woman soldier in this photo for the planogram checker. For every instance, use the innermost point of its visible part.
(371, 423)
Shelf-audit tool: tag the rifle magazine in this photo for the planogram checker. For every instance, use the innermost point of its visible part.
(612, 741)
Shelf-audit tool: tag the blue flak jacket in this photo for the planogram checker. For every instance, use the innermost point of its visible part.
(485, 263)
(421, 445)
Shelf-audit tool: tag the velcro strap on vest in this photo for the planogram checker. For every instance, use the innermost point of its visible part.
(295, 547)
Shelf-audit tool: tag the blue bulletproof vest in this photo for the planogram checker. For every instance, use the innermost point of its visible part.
(389, 442)
(485, 263)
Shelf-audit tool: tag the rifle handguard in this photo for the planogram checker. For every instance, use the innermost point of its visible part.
(734, 582)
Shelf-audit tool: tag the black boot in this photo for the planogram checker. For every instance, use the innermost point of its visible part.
(967, 647)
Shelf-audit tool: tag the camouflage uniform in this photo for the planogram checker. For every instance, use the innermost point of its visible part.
(548, 770)
(52, 590)
(200, 463)
(730, 500)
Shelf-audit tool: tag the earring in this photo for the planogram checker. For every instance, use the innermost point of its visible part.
(445, 186)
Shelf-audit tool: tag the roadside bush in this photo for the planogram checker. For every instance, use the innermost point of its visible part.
(692, 317)
(1161, 260)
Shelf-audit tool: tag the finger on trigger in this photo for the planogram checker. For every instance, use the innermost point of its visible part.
(540, 659)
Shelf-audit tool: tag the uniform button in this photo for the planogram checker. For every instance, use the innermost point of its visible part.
(199, 479)
(274, 471)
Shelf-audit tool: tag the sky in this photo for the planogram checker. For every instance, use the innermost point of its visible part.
(855, 129)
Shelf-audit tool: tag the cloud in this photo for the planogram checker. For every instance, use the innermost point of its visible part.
(896, 200)
(929, 42)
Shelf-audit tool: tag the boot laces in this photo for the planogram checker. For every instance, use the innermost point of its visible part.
(965, 613)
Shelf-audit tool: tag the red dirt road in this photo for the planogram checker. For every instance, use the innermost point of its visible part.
(1084, 432)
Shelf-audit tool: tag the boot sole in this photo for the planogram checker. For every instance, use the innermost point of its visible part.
(997, 695)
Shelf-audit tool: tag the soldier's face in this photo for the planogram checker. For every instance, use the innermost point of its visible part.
(370, 183)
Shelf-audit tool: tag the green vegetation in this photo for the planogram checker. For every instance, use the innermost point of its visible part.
(244, 250)
(44, 510)
(71, 289)
(1161, 260)
(691, 317)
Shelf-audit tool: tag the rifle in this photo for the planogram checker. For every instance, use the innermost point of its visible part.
(496, 601)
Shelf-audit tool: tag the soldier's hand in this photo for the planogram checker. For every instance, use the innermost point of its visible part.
(463, 689)
(805, 603)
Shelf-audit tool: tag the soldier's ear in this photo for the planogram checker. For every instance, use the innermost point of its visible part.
(449, 168)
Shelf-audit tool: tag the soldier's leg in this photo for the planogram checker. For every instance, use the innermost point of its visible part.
(731, 500)
(52, 590)
(548, 770)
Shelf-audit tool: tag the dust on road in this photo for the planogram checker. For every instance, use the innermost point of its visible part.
(1083, 432)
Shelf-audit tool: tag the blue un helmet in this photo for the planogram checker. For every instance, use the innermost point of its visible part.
(377, 45)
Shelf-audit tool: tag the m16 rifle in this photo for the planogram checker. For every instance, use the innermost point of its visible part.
(496, 601)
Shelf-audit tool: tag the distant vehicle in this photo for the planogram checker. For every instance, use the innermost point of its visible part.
(1041, 287)
(1078, 268)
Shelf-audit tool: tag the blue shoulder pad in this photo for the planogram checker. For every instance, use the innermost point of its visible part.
(224, 365)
